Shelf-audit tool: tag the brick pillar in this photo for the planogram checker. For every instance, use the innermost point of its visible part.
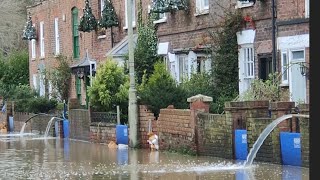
(305, 152)
(240, 114)
(279, 109)
(198, 103)
(145, 115)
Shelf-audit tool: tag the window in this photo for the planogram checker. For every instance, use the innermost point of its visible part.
(41, 39)
(296, 55)
(33, 49)
(265, 68)
(75, 33)
(202, 7)
(306, 8)
(248, 62)
(284, 68)
(78, 88)
(203, 64)
(101, 6)
(183, 67)
(56, 34)
(166, 61)
(244, 3)
(133, 14)
(35, 81)
(161, 17)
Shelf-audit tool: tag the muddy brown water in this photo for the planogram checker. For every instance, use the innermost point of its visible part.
(31, 157)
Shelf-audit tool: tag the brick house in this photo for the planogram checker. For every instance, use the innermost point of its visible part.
(182, 38)
(291, 39)
(56, 24)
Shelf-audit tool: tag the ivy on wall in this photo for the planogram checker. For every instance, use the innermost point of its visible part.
(225, 58)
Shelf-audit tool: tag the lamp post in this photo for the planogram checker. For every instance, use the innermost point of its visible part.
(132, 111)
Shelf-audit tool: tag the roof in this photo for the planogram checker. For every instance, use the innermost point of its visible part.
(85, 61)
(122, 48)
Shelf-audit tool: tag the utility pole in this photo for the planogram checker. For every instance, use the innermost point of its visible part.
(274, 49)
(133, 110)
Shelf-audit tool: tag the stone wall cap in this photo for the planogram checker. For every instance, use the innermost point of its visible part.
(200, 97)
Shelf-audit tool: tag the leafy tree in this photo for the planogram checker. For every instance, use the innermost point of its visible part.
(60, 78)
(110, 88)
(160, 90)
(16, 68)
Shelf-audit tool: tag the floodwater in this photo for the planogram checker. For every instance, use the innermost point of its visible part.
(35, 157)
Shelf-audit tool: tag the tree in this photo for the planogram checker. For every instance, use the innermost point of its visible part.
(145, 53)
(16, 68)
(60, 78)
(161, 90)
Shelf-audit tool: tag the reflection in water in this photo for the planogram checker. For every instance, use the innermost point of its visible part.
(66, 149)
(291, 173)
(68, 159)
(122, 156)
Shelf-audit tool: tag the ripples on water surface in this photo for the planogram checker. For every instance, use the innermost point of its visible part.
(32, 157)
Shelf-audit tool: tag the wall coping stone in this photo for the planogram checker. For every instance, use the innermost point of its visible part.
(200, 97)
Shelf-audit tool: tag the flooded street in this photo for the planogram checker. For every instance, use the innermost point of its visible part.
(30, 157)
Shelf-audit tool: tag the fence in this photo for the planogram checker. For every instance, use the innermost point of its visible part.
(103, 117)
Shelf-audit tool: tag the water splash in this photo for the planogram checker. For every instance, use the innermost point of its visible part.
(48, 127)
(22, 129)
(256, 146)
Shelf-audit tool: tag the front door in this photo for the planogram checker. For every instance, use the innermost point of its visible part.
(298, 81)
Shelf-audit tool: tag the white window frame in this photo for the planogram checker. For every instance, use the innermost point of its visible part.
(42, 54)
(133, 14)
(183, 67)
(284, 68)
(243, 4)
(161, 19)
(101, 6)
(201, 8)
(203, 59)
(248, 60)
(307, 8)
(33, 49)
(57, 36)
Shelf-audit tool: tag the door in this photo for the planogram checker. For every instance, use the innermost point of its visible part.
(297, 80)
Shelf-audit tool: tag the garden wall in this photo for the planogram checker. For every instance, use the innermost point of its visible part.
(176, 129)
(214, 135)
(79, 124)
(102, 132)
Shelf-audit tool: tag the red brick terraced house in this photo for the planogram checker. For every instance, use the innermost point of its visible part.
(291, 44)
(182, 38)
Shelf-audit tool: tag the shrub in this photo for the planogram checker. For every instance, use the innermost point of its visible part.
(265, 90)
(160, 91)
(36, 105)
(110, 88)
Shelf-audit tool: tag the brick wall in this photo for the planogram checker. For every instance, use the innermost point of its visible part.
(79, 124)
(270, 149)
(305, 139)
(146, 116)
(240, 112)
(175, 129)
(36, 123)
(214, 135)
(102, 133)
